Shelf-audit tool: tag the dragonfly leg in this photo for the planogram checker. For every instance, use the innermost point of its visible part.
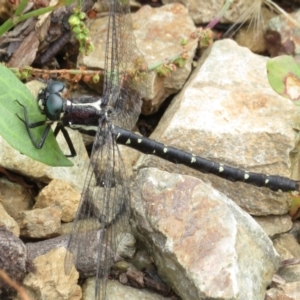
(26, 122)
(28, 126)
(61, 128)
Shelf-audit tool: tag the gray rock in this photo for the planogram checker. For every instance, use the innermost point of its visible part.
(13, 260)
(41, 248)
(204, 11)
(86, 251)
(14, 197)
(288, 291)
(40, 222)
(49, 280)
(60, 193)
(227, 112)
(288, 249)
(117, 291)
(158, 32)
(15, 161)
(274, 225)
(7, 221)
(203, 244)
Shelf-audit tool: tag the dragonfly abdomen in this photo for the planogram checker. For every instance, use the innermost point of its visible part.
(203, 165)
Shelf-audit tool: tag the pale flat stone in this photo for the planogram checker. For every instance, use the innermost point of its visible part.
(204, 11)
(117, 291)
(123, 246)
(274, 225)
(7, 221)
(14, 197)
(158, 32)
(66, 228)
(227, 112)
(60, 193)
(40, 222)
(15, 161)
(288, 248)
(288, 291)
(201, 241)
(49, 280)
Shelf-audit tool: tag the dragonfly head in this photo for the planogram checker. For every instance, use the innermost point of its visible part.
(50, 101)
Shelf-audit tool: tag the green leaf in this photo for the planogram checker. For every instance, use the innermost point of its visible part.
(284, 77)
(13, 130)
(295, 207)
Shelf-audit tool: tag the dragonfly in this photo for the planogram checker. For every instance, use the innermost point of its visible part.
(104, 210)
(84, 117)
(105, 200)
(105, 197)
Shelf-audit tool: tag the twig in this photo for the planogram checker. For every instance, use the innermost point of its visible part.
(14, 285)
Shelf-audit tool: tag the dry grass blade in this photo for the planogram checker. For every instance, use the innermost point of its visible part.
(278, 9)
(254, 14)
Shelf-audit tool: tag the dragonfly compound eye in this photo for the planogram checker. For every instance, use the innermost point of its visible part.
(55, 87)
(54, 107)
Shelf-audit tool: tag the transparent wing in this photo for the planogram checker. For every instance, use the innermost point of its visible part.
(125, 68)
(103, 214)
(104, 210)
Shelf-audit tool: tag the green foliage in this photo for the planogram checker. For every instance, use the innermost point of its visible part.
(284, 77)
(180, 62)
(13, 130)
(295, 207)
(183, 42)
(165, 70)
(19, 16)
(81, 32)
(96, 78)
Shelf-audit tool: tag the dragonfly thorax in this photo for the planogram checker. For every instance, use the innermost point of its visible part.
(109, 112)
